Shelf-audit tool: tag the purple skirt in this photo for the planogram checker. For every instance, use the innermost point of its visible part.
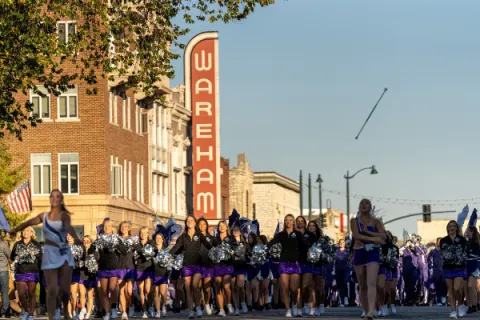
(319, 271)
(127, 274)
(75, 277)
(252, 272)
(289, 268)
(307, 268)
(395, 274)
(89, 283)
(207, 272)
(27, 277)
(157, 281)
(388, 276)
(190, 271)
(454, 273)
(240, 271)
(106, 274)
(362, 257)
(144, 275)
(221, 271)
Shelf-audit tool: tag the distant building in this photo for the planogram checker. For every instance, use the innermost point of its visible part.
(336, 223)
(430, 231)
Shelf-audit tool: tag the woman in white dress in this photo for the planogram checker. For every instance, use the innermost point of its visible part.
(57, 262)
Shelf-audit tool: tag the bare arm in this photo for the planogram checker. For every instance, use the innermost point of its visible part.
(31, 222)
(380, 230)
(67, 224)
(360, 237)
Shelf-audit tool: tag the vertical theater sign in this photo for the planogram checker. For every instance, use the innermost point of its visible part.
(202, 98)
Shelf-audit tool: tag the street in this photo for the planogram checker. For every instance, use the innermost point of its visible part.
(339, 314)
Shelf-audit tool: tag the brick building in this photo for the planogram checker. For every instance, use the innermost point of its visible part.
(96, 149)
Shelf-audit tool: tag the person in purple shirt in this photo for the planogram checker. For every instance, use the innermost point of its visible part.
(411, 273)
(342, 271)
(435, 261)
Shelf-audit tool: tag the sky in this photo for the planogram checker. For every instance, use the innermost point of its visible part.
(299, 78)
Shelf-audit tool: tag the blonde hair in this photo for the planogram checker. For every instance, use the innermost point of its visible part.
(88, 237)
(109, 222)
(34, 236)
(129, 232)
(149, 237)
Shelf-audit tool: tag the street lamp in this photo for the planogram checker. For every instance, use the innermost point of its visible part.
(347, 177)
(320, 215)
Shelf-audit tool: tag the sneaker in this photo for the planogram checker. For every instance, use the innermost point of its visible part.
(107, 317)
(164, 311)
(444, 300)
(342, 306)
(208, 310)
(114, 313)
(191, 315)
(453, 315)
(199, 312)
(461, 312)
(322, 309)
(158, 315)
(131, 311)
(306, 309)
(24, 316)
(221, 313)
(237, 312)
(230, 309)
(145, 315)
(345, 301)
(30, 318)
(393, 309)
(294, 310)
(124, 316)
(363, 315)
(317, 312)
(88, 316)
(244, 307)
(151, 312)
(312, 312)
(288, 314)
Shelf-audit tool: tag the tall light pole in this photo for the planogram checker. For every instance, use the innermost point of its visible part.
(301, 193)
(319, 181)
(309, 197)
(347, 177)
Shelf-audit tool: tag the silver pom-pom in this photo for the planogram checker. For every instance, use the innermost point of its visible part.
(164, 259)
(130, 242)
(259, 255)
(216, 254)
(107, 241)
(276, 250)
(178, 262)
(148, 252)
(91, 264)
(314, 253)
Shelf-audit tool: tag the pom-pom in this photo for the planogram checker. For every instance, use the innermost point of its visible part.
(275, 250)
(164, 259)
(91, 264)
(259, 255)
(178, 262)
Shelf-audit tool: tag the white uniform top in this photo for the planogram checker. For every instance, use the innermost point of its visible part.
(55, 257)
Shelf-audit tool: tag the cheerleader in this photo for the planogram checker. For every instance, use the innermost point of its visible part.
(391, 274)
(318, 290)
(160, 280)
(108, 272)
(144, 267)
(252, 285)
(57, 259)
(207, 266)
(289, 267)
(189, 244)
(27, 254)
(368, 234)
(88, 281)
(263, 277)
(305, 295)
(223, 273)
(473, 250)
(341, 272)
(127, 273)
(241, 251)
(453, 248)
(384, 275)
(75, 279)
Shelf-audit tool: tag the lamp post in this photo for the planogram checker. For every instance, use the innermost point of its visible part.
(347, 177)
(319, 181)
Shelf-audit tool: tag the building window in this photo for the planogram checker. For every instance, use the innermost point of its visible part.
(113, 107)
(116, 179)
(247, 204)
(138, 182)
(254, 211)
(154, 192)
(41, 173)
(124, 109)
(165, 194)
(125, 175)
(68, 164)
(144, 123)
(129, 111)
(137, 118)
(41, 105)
(130, 180)
(224, 207)
(68, 104)
(65, 31)
(142, 198)
(175, 186)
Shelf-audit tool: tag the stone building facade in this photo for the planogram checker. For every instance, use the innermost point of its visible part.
(241, 187)
(335, 222)
(274, 196)
(225, 186)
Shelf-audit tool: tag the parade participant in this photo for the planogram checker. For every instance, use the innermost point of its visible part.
(342, 272)
(241, 249)
(207, 266)
(391, 275)
(127, 272)
(160, 282)
(263, 277)
(88, 280)
(189, 244)
(473, 251)
(72, 306)
(223, 271)
(57, 259)
(368, 234)
(144, 267)
(453, 248)
(252, 285)
(318, 290)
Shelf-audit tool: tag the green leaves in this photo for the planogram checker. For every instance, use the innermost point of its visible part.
(128, 40)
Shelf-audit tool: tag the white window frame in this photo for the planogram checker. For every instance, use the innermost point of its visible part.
(138, 182)
(67, 95)
(41, 164)
(66, 29)
(60, 163)
(113, 166)
(124, 110)
(125, 175)
(142, 196)
(137, 118)
(129, 111)
(111, 96)
(154, 192)
(130, 180)
(40, 103)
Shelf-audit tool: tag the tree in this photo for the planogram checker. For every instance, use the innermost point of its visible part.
(10, 178)
(129, 40)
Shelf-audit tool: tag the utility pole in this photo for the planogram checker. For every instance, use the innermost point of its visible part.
(309, 197)
(319, 181)
(301, 193)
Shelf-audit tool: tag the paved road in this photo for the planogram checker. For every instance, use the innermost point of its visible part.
(338, 314)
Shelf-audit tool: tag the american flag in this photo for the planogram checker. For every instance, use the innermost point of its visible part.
(19, 200)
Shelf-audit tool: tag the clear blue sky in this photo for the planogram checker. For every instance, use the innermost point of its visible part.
(299, 78)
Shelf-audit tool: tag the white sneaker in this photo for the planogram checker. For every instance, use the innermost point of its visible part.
(114, 313)
(237, 312)
(131, 311)
(317, 312)
(208, 310)
(230, 309)
(453, 315)
(461, 312)
(82, 314)
(151, 312)
(393, 308)
(107, 317)
(24, 316)
(294, 310)
(191, 315)
(244, 307)
(87, 316)
(30, 318)
(444, 300)
(164, 311)
(288, 314)
(58, 314)
(199, 312)
(345, 301)
(342, 306)
(312, 312)
(322, 309)
(306, 309)
(221, 313)
(158, 315)
(124, 316)
(363, 315)
(145, 315)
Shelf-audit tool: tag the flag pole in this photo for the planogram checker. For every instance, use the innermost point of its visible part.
(30, 195)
